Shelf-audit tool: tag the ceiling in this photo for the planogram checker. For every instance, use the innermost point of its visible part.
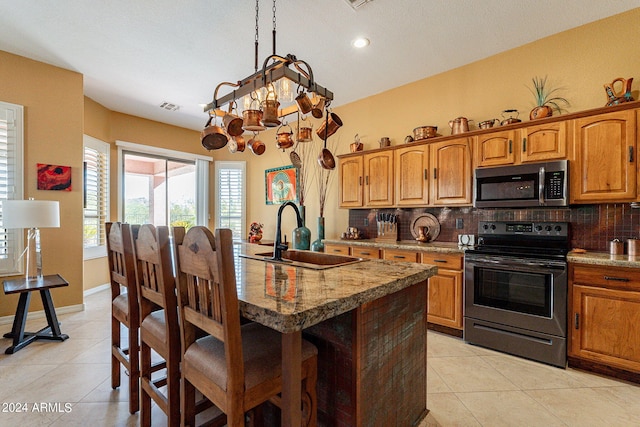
(135, 55)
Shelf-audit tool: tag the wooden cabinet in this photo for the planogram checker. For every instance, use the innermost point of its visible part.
(365, 252)
(330, 248)
(402, 255)
(351, 180)
(412, 175)
(536, 143)
(604, 316)
(451, 172)
(445, 297)
(378, 179)
(604, 169)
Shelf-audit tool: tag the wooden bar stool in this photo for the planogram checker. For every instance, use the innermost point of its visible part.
(236, 367)
(125, 309)
(159, 328)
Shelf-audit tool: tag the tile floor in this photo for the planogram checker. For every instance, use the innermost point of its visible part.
(68, 384)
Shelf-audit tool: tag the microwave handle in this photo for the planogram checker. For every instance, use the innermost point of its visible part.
(541, 176)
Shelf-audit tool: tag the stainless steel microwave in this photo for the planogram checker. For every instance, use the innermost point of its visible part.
(527, 185)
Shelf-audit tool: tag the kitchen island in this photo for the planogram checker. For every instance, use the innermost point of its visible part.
(368, 320)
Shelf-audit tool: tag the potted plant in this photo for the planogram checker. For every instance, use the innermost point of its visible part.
(546, 102)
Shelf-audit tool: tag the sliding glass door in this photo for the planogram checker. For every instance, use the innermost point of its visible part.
(159, 190)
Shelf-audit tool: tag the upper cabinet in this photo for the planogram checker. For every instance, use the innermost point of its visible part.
(351, 180)
(605, 151)
(378, 178)
(451, 172)
(412, 175)
(537, 143)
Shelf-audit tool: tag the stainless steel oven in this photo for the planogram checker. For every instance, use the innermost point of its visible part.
(516, 290)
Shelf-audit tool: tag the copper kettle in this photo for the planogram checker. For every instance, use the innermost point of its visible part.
(459, 125)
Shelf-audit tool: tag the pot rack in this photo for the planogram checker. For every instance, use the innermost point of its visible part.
(270, 73)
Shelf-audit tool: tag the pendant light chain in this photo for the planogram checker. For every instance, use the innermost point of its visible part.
(274, 27)
(256, 37)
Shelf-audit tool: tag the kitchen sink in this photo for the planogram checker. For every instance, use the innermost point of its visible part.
(306, 259)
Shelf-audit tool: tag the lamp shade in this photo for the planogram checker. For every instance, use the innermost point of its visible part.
(30, 214)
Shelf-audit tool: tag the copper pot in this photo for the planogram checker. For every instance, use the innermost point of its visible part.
(509, 120)
(304, 103)
(232, 122)
(270, 113)
(424, 132)
(213, 136)
(283, 138)
(236, 144)
(329, 126)
(256, 146)
(459, 125)
(487, 124)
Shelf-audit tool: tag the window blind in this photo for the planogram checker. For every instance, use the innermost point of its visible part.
(11, 148)
(96, 196)
(231, 197)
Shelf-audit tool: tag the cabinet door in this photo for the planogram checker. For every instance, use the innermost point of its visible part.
(605, 158)
(451, 172)
(543, 142)
(444, 301)
(494, 149)
(605, 326)
(412, 176)
(351, 181)
(378, 178)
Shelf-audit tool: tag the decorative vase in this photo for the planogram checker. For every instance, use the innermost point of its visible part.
(301, 237)
(318, 245)
(541, 112)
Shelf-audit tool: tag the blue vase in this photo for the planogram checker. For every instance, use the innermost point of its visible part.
(318, 245)
(301, 238)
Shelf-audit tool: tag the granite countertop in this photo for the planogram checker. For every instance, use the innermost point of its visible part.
(442, 247)
(288, 298)
(604, 259)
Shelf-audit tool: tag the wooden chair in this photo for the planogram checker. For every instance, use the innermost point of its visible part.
(124, 308)
(159, 327)
(236, 367)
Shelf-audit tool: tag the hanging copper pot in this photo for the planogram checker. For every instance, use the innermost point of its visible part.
(283, 138)
(252, 117)
(270, 113)
(256, 146)
(232, 122)
(330, 126)
(213, 136)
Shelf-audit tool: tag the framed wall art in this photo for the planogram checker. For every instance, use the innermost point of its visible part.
(53, 177)
(281, 185)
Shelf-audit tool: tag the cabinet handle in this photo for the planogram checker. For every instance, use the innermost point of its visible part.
(630, 154)
(524, 145)
(576, 321)
(435, 174)
(366, 180)
(360, 180)
(399, 256)
(617, 279)
(365, 253)
(426, 175)
(510, 146)
(440, 260)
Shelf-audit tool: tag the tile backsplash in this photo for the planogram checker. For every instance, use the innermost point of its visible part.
(592, 226)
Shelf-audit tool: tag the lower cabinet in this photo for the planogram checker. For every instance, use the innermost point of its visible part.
(336, 249)
(401, 255)
(361, 252)
(444, 303)
(604, 319)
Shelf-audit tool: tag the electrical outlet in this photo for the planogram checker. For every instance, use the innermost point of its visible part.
(459, 223)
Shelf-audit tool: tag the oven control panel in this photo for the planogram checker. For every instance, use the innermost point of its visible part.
(560, 229)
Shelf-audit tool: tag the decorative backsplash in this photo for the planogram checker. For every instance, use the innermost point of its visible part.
(592, 226)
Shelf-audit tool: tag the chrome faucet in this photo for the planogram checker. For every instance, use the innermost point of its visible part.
(278, 246)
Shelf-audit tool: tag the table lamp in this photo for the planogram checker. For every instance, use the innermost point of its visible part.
(31, 214)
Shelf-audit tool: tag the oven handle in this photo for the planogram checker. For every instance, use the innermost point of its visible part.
(550, 265)
(541, 178)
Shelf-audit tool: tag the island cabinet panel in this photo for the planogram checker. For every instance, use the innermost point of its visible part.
(451, 172)
(542, 143)
(378, 179)
(605, 152)
(604, 321)
(375, 369)
(351, 180)
(445, 297)
(412, 175)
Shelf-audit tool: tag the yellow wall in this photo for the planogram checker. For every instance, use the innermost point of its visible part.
(580, 60)
(53, 113)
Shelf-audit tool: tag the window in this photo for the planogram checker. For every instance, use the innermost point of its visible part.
(11, 148)
(230, 197)
(96, 196)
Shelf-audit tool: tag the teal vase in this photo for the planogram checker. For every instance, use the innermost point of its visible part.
(318, 245)
(301, 238)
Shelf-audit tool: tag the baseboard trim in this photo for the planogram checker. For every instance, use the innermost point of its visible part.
(5, 320)
(96, 289)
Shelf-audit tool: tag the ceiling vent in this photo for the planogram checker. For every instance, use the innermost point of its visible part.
(357, 4)
(169, 106)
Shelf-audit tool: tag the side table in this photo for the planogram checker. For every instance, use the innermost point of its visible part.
(24, 287)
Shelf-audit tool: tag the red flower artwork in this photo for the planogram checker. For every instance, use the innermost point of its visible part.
(52, 177)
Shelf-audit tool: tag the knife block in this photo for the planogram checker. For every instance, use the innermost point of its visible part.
(389, 235)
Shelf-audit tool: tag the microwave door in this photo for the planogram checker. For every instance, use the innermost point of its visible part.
(508, 191)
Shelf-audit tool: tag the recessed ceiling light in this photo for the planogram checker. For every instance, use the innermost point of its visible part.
(360, 42)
